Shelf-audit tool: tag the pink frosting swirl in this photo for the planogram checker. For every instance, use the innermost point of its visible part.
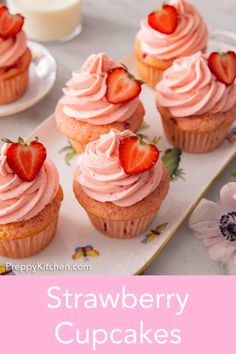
(21, 200)
(100, 174)
(12, 49)
(84, 97)
(189, 37)
(188, 88)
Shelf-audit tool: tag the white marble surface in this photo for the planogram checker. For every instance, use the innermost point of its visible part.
(111, 26)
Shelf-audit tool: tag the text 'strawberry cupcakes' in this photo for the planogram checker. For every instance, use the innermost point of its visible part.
(100, 96)
(15, 57)
(30, 199)
(172, 31)
(121, 182)
(197, 101)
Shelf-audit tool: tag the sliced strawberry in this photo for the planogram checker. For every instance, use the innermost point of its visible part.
(10, 25)
(26, 159)
(3, 9)
(136, 156)
(144, 55)
(223, 66)
(122, 86)
(164, 20)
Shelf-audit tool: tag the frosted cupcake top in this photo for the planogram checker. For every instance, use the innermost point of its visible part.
(21, 200)
(11, 49)
(189, 88)
(12, 38)
(189, 37)
(85, 94)
(102, 177)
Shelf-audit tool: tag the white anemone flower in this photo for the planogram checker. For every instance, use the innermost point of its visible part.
(215, 224)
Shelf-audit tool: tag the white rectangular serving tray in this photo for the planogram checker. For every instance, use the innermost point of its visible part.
(108, 256)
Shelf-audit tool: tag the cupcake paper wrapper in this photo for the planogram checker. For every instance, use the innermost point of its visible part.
(28, 246)
(121, 229)
(148, 74)
(12, 89)
(193, 142)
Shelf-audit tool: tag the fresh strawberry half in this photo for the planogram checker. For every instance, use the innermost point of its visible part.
(164, 20)
(3, 9)
(137, 156)
(10, 25)
(122, 86)
(26, 159)
(223, 66)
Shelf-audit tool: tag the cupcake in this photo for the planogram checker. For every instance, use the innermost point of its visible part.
(170, 32)
(197, 101)
(121, 182)
(30, 199)
(15, 57)
(100, 96)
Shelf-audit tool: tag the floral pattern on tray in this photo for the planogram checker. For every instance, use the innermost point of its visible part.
(85, 252)
(4, 270)
(154, 233)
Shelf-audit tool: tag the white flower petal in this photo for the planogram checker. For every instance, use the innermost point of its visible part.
(228, 196)
(221, 251)
(204, 221)
(208, 242)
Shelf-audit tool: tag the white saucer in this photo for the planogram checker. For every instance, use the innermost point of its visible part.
(43, 70)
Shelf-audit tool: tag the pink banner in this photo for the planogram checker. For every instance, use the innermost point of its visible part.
(161, 315)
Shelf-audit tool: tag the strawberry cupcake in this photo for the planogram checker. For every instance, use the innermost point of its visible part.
(121, 182)
(30, 199)
(172, 31)
(100, 96)
(15, 57)
(197, 101)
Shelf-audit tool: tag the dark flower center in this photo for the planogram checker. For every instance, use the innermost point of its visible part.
(228, 226)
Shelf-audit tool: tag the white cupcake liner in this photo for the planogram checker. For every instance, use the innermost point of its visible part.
(28, 246)
(13, 88)
(193, 142)
(121, 229)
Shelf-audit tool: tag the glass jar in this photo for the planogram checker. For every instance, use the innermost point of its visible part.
(49, 20)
